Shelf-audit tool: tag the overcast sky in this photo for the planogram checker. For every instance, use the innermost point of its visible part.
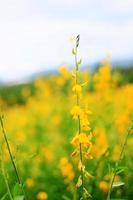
(35, 34)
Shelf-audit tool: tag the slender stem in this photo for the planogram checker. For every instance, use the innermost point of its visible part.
(6, 179)
(119, 160)
(79, 123)
(11, 157)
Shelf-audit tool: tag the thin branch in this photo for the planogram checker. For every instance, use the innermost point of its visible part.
(119, 160)
(11, 157)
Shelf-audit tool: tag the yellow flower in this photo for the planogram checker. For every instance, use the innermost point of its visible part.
(101, 142)
(66, 170)
(77, 89)
(76, 111)
(102, 78)
(42, 196)
(75, 140)
(81, 138)
(63, 161)
(85, 124)
(104, 186)
(89, 156)
(29, 182)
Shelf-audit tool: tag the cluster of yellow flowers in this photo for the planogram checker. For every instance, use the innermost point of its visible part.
(66, 170)
(84, 135)
(102, 78)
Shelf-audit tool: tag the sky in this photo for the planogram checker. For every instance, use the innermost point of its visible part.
(35, 35)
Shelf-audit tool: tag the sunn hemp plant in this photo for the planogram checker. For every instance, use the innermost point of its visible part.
(82, 139)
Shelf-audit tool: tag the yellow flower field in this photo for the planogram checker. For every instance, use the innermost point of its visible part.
(44, 142)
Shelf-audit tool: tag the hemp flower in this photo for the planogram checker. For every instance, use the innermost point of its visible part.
(104, 186)
(42, 196)
(77, 89)
(81, 138)
(76, 111)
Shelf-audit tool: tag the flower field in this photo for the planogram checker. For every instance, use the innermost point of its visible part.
(46, 143)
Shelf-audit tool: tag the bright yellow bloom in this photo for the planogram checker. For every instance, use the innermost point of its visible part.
(77, 89)
(85, 124)
(66, 170)
(42, 196)
(102, 77)
(104, 186)
(75, 140)
(101, 142)
(29, 182)
(63, 161)
(75, 112)
(81, 138)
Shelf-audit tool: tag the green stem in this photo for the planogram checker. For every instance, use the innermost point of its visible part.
(79, 124)
(11, 157)
(119, 160)
(6, 179)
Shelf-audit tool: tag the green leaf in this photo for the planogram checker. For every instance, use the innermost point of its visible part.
(5, 195)
(16, 190)
(65, 197)
(121, 169)
(21, 197)
(118, 184)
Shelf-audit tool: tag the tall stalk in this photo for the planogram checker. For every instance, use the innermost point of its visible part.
(78, 104)
(119, 160)
(11, 157)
